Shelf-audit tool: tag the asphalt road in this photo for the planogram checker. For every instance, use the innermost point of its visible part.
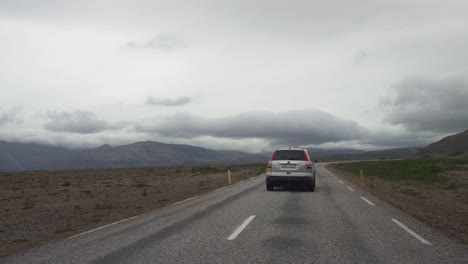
(243, 223)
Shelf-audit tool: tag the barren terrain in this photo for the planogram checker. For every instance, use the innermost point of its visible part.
(40, 206)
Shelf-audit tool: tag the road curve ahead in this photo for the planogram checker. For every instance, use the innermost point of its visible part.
(243, 223)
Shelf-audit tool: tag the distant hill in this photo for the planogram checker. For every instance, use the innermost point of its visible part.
(339, 154)
(20, 157)
(333, 151)
(398, 153)
(449, 146)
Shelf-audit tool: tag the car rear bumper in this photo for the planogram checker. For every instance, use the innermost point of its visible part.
(281, 180)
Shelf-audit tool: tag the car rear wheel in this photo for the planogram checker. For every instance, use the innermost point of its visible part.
(269, 187)
(311, 187)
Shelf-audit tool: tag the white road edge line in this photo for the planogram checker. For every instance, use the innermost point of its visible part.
(351, 189)
(101, 227)
(411, 232)
(219, 189)
(335, 178)
(341, 182)
(241, 228)
(367, 201)
(185, 200)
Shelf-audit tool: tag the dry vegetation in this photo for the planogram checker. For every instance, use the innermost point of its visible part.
(40, 206)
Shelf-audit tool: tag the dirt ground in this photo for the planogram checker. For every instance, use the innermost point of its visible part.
(443, 207)
(41, 206)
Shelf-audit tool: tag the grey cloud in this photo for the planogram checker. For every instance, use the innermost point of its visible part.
(299, 127)
(82, 122)
(304, 18)
(168, 101)
(164, 42)
(436, 105)
(360, 56)
(382, 139)
(10, 115)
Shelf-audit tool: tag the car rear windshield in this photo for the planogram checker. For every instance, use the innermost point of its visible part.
(289, 155)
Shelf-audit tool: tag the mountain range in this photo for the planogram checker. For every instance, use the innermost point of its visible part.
(31, 156)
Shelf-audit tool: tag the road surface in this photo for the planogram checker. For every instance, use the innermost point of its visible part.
(243, 223)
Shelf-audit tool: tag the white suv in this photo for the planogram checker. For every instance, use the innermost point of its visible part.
(287, 166)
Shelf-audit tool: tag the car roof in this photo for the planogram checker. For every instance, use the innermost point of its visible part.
(290, 149)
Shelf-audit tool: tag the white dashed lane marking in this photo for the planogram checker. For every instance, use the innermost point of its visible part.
(241, 228)
(367, 201)
(411, 232)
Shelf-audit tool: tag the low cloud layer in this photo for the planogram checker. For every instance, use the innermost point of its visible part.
(300, 127)
(82, 122)
(151, 100)
(10, 115)
(164, 42)
(249, 131)
(388, 139)
(435, 105)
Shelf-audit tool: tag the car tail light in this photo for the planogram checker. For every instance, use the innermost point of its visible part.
(271, 158)
(308, 163)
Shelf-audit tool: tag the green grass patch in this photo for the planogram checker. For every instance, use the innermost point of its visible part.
(424, 170)
(451, 186)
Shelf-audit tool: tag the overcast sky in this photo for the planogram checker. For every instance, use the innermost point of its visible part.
(243, 75)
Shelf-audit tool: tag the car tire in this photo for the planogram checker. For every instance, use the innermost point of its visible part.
(269, 187)
(311, 188)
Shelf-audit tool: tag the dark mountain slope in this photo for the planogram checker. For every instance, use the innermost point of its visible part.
(23, 156)
(449, 146)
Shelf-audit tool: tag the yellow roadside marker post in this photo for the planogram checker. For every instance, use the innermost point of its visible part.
(362, 177)
(229, 177)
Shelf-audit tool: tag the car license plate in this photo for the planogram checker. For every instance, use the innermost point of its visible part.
(289, 166)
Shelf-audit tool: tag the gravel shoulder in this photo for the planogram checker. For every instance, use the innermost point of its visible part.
(42, 206)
